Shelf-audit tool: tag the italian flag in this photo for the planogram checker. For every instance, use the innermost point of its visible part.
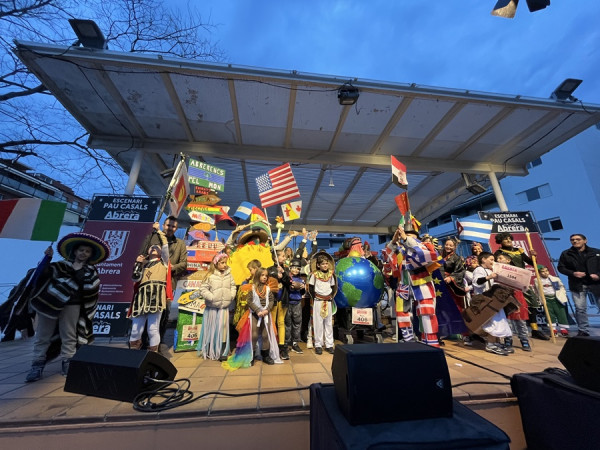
(32, 219)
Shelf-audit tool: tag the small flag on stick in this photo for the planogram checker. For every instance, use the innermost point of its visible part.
(244, 210)
(180, 189)
(402, 202)
(474, 230)
(291, 211)
(277, 186)
(399, 173)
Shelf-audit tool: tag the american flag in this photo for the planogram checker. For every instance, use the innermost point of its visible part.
(277, 186)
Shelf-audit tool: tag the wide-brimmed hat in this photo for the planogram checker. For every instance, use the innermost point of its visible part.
(100, 249)
(258, 230)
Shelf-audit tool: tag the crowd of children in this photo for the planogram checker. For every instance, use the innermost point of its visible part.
(265, 317)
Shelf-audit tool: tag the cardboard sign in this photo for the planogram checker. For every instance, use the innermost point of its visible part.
(512, 276)
(362, 316)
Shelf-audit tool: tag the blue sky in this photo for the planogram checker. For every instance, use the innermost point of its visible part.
(444, 43)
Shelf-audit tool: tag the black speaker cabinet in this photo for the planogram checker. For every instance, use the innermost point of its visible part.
(581, 357)
(116, 373)
(362, 374)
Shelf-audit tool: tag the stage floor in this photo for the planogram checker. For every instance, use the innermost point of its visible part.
(45, 401)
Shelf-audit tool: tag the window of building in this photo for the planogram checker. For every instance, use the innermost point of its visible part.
(534, 163)
(534, 193)
(549, 225)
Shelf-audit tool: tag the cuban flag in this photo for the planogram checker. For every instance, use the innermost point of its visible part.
(474, 230)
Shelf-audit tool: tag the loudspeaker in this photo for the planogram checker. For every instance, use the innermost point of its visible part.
(391, 382)
(581, 357)
(116, 373)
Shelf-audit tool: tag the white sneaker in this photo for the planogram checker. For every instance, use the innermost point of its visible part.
(309, 343)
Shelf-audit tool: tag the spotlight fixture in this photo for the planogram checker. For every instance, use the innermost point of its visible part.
(88, 33)
(348, 94)
(167, 173)
(331, 178)
(472, 186)
(508, 8)
(565, 90)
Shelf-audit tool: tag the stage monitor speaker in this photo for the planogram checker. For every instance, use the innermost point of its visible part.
(377, 383)
(581, 357)
(116, 373)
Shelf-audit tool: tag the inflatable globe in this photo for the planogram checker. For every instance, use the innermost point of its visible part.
(360, 283)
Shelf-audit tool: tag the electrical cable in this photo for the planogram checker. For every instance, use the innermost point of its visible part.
(181, 395)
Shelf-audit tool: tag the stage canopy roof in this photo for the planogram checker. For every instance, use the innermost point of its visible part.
(248, 120)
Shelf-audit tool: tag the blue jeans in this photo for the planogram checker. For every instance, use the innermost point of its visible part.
(580, 300)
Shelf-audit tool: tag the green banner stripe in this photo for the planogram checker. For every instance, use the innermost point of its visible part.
(48, 221)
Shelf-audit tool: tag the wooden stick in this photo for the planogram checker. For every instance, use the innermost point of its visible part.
(541, 288)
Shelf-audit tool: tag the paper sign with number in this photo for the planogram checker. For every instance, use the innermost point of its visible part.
(362, 316)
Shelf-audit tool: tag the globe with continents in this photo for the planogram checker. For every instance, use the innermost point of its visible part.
(360, 283)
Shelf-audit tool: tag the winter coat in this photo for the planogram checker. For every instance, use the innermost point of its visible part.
(218, 290)
(588, 261)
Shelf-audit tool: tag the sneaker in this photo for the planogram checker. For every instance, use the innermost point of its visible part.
(507, 349)
(583, 333)
(65, 367)
(296, 348)
(537, 334)
(35, 373)
(309, 343)
(268, 360)
(564, 333)
(467, 341)
(329, 350)
(525, 345)
(283, 353)
(318, 350)
(493, 348)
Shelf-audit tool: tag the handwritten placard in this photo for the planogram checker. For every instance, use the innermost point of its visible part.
(512, 276)
(362, 316)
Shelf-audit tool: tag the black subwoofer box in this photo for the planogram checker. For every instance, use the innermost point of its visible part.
(116, 373)
(364, 374)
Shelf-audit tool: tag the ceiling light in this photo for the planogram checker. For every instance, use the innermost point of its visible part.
(348, 94)
(473, 186)
(88, 33)
(565, 90)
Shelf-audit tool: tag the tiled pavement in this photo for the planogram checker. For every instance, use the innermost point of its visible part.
(45, 402)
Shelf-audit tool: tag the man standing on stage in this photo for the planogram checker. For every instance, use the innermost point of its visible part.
(582, 265)
(177, 257)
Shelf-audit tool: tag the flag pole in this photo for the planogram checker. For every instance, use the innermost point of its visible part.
(271, 236)
(169, 193)
(540, 288)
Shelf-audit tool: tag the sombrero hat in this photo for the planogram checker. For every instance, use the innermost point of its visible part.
(258, 230)
(100, 249)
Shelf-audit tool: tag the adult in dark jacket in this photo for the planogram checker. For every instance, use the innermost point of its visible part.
(177, 257)
(581, 264)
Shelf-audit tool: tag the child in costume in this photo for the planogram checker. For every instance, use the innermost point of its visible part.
(281, 301)
(218, 290)
(293, 320)
(240, 303)
(556, 299)
(497, 327)
(322, 287)
(257, 319)
(416, 259)
(517, 319)
(65, 296)
(153, 275)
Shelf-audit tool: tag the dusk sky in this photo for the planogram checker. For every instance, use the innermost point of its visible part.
(450, 44)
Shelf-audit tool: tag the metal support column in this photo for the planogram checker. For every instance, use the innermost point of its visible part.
(134, 172)
(497, 191)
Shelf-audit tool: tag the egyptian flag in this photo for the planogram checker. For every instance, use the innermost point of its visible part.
(399, 173)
